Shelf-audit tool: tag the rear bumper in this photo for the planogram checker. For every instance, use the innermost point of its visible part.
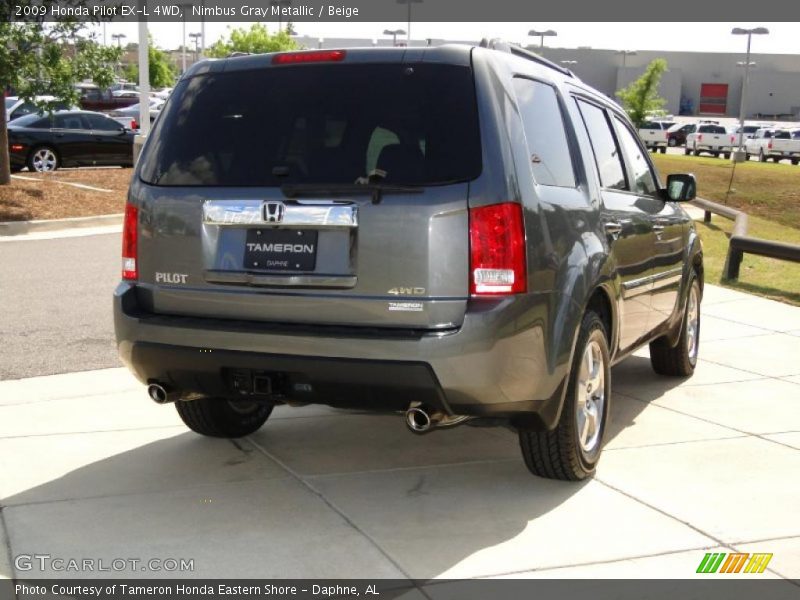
(497, 364)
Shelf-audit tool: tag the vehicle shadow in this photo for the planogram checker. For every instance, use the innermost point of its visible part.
(451, 503)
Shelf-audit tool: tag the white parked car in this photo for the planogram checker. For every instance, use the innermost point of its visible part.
(17, 107)
(757, 145)
(711, 139)
(129, 116)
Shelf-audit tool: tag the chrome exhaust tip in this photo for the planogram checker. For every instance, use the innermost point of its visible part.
(159, 394)
(418, 420)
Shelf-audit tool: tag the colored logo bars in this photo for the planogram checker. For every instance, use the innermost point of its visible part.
(734, 563)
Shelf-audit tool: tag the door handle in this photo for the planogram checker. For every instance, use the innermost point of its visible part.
(613, 228)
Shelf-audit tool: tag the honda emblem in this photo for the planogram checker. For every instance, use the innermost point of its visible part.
(273, 212)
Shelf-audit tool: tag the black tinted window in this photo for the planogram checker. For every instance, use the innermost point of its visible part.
(66, 121)
(35, 121)
(548, 149)
(606, 151)
(318, 124)
(711, 129)
(782, 135)
(102, 123)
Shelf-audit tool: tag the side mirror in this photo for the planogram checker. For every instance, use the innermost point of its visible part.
(681, 187)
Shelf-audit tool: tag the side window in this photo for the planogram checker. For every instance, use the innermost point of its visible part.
(550, 159)
(606, 152)
(99, 123)
(63, 121)
(25, 109)
(643, 180)
(379, 139)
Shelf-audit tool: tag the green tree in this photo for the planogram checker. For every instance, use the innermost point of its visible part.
(641, 98)
(162, 71)
(255, 40)
(38, 58)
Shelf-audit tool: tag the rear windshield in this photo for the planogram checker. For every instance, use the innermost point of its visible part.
(712, 129)
(316, 124)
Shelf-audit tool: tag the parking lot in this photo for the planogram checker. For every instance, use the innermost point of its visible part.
(92, 468)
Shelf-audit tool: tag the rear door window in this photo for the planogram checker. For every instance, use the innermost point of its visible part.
(604, 145)
(549, 154)
(101, 123)
(62, 121)
(320, 124)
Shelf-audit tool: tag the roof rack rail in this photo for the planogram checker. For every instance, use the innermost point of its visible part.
(237, 54)
(503, 46)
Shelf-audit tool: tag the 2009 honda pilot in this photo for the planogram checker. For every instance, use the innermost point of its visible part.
(454, 233)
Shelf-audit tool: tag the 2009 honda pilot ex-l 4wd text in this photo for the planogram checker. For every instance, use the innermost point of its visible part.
(458, 234)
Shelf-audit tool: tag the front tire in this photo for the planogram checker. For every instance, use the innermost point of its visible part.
(43, 159)
(681, 359)
(220, 417)
(570, 451)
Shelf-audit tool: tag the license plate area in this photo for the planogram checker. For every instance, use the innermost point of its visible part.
(271, 249)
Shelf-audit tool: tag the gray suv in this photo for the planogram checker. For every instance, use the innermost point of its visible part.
(457, 234)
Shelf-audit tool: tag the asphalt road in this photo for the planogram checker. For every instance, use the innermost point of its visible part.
(55, 305)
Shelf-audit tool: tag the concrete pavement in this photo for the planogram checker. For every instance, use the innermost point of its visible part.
(93, 469)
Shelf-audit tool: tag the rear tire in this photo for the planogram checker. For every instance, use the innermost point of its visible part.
(220, 417)
(795, 161)
(727, 155)
(663, 149)
(43, 159)
(571, 451)
(680, 360)
(761, 156)
(672, 142)
(686, 151)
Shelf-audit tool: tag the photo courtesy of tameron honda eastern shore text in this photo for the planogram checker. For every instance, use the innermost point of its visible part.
(463, 235)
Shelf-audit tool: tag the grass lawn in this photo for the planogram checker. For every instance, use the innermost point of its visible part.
(776, 279)
(49, 195)
(770, 194)
(766, 190)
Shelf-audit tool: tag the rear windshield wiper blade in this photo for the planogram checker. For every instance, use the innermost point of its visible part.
(292, 190)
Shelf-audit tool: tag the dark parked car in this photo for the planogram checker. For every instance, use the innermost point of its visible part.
(93, 98)
(460, 234)
(68, 139)
(676, 136)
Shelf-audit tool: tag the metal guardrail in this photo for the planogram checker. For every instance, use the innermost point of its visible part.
(740, 243)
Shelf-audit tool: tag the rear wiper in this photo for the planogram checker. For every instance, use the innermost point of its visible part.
(292, 190)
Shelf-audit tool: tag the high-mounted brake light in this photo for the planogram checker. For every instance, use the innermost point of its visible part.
(130, 234)
(497, 250)
(308, 56)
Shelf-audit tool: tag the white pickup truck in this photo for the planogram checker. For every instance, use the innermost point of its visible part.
(777, 144)
(654, 135)
(712, 139)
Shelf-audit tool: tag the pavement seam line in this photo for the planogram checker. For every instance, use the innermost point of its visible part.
(467, 463)
(7, 546)
(664, 512)
(760, 375)
(63, 433)
(732, 437)
(187, 488)
(774, 572)
(704, 420)
(769, 329)
(329, 503)
(605, 562)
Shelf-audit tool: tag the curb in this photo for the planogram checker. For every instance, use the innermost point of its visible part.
(22, 227)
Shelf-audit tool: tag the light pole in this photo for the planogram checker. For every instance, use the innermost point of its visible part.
(409, 3)
(196, 37)
(740, 154)
(319, 43)
(625, 54)
(119, 37)
(183, 36)
(542, 34)
(394, 33)
(279, 4)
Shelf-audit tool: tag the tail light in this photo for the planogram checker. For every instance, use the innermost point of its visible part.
(769, 145)
(699, 137)
(134, 124)
(17, 147)
(130, 234)
(306, 56)
(497, 250)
